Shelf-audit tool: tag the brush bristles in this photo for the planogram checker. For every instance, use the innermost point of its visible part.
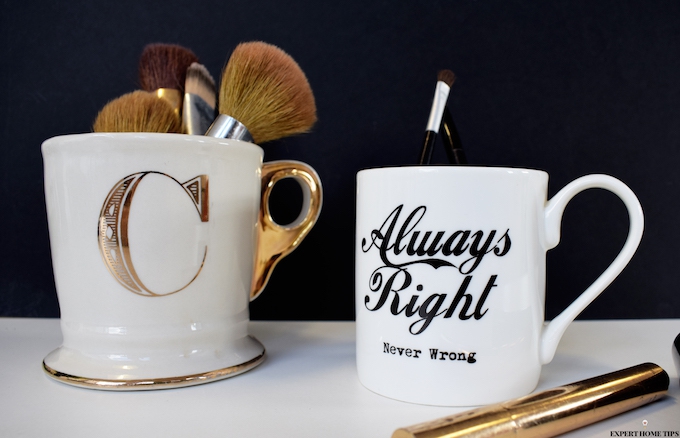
(265, 89)
(164, 66)
(139, 111)
(447, 77)
(201, 83)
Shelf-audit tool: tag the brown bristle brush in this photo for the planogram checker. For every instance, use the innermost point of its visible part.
(139, 111)
(163, 70)
(200, 99)
(264, 95)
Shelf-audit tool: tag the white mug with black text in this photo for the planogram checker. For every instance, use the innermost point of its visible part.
(159, 242)
(450, 279)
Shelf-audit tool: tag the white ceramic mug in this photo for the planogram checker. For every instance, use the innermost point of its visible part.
(159, 242)
(450, 279)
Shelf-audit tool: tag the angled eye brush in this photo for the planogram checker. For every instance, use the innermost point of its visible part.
(445, 79)
(200, 98)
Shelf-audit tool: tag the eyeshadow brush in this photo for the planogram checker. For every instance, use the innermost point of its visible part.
(445, 79)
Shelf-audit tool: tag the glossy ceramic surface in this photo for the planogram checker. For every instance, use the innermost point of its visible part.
(450, 278)
(153, 240)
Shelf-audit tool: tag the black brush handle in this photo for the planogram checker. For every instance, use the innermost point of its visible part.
(452, 143)
(676, 353)
(428, 146)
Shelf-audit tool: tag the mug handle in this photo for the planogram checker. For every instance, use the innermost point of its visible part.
(553, 331)
(275, 241)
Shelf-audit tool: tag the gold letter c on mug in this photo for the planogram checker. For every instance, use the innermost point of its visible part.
(113, 228)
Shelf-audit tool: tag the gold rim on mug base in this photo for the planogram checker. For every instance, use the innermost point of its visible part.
(153, 383)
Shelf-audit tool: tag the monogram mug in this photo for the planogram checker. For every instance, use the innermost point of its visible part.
(450, 279)
(159, 242)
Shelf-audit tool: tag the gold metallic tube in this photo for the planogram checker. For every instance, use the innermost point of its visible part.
(174, 97)
(554, 411)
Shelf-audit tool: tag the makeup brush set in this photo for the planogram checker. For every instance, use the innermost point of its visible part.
(209, 189)
(441, 120)
(263, 96)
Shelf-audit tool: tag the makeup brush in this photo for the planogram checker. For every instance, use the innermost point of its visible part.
(198, 111)
(163, 70)
(139, 111)
(452, 143)
(445, 79)
(264, 95)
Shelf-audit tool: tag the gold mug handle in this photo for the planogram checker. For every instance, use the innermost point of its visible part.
(275, 241)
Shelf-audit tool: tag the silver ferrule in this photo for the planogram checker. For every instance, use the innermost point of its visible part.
(228, 127)
(197, 115)
(441, 93)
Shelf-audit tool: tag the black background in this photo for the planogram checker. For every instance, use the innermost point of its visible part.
(571, 87)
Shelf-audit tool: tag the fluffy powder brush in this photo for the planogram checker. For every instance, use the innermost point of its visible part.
(264, 96)
(163, 70)
(139, 111)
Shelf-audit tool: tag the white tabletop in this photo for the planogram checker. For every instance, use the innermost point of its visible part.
(307, 387)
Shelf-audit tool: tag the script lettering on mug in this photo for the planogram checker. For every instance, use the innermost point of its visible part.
(462, 250)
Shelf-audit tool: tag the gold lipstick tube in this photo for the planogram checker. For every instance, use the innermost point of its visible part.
(554, 411)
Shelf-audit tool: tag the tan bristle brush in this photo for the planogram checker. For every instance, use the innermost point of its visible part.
(163, 70)
(264, 95)
(200, 98)
(139, 111)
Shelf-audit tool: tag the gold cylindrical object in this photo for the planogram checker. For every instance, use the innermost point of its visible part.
(554, 411)
(174, 97)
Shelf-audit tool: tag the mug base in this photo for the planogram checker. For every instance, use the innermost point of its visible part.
(64, 372)
(469, 399)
